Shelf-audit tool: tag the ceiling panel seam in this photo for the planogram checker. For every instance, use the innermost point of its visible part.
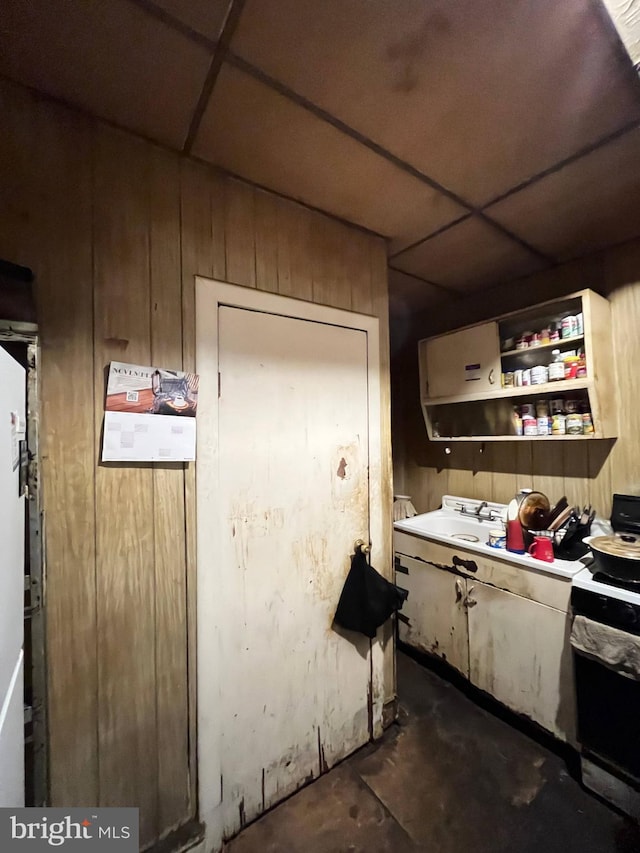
(567, 161)
(175, 23)
(286, 92)
(451, 291)
(430, 235)
(231, 22)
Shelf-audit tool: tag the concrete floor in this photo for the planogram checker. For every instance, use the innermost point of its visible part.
(450, 778)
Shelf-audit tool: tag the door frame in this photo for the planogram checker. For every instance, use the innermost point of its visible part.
(211, 294)
(27, 333)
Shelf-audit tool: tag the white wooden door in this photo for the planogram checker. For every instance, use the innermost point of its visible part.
(433, 618)
(12, 511)
(519, 652)
(294, 495)
(464, 362)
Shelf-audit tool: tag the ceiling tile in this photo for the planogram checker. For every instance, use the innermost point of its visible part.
(410, 294)
(279, 145)
(206, 17)
(478, 99)
(112, 59)
(591, 203)
(468, 256)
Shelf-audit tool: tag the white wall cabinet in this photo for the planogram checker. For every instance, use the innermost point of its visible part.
(469, 378)
(503, 627)
(464, 362)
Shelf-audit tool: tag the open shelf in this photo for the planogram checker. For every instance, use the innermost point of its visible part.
(461, 394)
(551, 345)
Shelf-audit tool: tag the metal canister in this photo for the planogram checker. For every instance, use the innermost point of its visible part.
(517, 377)
(574, 424)
(529, 426)
(556, 371)
(587, 423)
(539, 374)
(526, 376)
(508, 379)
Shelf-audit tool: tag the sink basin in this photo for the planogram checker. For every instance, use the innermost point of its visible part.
(449, 527)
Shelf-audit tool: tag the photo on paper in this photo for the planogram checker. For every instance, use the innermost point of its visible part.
(148, 390)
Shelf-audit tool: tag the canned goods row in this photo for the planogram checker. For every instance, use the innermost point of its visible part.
(555, 417)
(570, 326)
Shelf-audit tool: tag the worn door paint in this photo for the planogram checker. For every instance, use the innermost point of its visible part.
(433, 618)
(12, 512)
(519, 652)
(294, 492)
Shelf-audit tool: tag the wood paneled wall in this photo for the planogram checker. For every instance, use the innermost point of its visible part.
(587, 472)
(115, 230)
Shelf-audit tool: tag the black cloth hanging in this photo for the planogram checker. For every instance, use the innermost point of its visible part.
(367, 599)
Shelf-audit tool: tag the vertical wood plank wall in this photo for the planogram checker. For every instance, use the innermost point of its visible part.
(587, 472)
(115, 230)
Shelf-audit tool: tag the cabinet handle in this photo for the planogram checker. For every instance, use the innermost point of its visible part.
(469, 565)
(491, 379)
(470, 602)
(458, 589)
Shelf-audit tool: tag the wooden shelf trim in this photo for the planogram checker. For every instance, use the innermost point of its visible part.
(562, 386)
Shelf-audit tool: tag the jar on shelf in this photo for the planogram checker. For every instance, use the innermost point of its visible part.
(529, 426)
(516, 421)
(557, 406)
(587, 424)
(528, 410)
(558, 424)
(571, 366)
(574, 424)
(542, 426)
(556, 368)
(569, 326)
(542, 408)
(555, 332)
(545, 335)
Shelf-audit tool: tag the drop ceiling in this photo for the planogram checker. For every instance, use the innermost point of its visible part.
(484, 140)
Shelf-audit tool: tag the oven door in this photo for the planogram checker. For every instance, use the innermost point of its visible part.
(608, 706)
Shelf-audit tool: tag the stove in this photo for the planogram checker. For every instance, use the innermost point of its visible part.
(607, 692)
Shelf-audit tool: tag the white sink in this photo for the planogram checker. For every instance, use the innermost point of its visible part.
(449, 527)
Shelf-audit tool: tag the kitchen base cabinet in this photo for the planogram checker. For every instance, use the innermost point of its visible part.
(433, 618)
(519, 653)
(503, 627)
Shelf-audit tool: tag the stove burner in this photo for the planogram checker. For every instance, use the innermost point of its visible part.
(632, 586)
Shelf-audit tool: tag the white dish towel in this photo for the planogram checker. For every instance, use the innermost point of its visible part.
(403, 508)
(612, 647)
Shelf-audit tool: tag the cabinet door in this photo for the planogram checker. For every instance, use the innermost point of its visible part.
(464, 362)
(433, 619)
(519, 653)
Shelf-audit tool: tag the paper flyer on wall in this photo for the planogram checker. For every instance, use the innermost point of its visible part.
(150, 414)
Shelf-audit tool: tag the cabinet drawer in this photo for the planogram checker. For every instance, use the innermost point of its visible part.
(537, 586)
